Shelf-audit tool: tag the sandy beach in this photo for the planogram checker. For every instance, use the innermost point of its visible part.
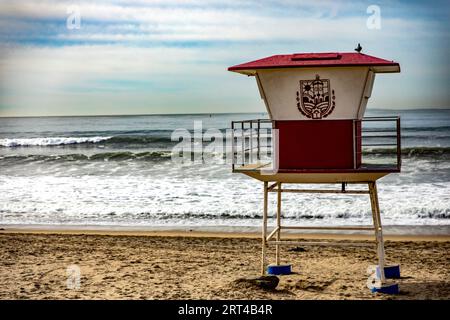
(202, 265)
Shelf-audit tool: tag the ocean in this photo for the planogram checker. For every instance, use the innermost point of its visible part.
(117, 172)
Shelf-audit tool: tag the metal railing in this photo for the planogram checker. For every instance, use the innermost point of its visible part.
(251, 136)
(383, 133)
(378, 145)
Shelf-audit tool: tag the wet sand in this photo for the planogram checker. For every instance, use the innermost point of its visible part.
(202, 265)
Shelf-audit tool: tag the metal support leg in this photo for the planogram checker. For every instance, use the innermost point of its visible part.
(378, 229)
(264, 230)
(278, 224)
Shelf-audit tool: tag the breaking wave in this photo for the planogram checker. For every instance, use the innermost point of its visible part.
(104, 156)
(165, 155)
(50, 141)
(145, 140)
(413, 151)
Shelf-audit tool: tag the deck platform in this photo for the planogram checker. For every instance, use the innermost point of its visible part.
(366, 173)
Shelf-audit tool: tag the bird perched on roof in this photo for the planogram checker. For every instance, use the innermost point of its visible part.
(358, 48)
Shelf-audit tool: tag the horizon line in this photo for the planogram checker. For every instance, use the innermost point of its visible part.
(195, 113)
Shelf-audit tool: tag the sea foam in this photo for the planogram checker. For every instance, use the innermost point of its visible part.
(49, 141)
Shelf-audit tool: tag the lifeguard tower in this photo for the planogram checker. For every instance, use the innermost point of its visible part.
(318, 135)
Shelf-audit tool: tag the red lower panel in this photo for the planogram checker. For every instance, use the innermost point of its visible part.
(317, 144)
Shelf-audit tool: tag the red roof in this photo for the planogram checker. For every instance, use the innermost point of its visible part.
(329, 59)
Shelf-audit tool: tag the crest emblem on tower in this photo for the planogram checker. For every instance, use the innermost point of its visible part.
(314, 99)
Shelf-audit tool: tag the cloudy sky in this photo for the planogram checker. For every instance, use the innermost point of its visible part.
(171, 56)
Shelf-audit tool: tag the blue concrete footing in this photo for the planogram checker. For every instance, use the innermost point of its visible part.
(390, 272)
(391, 288)
(281, 269)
